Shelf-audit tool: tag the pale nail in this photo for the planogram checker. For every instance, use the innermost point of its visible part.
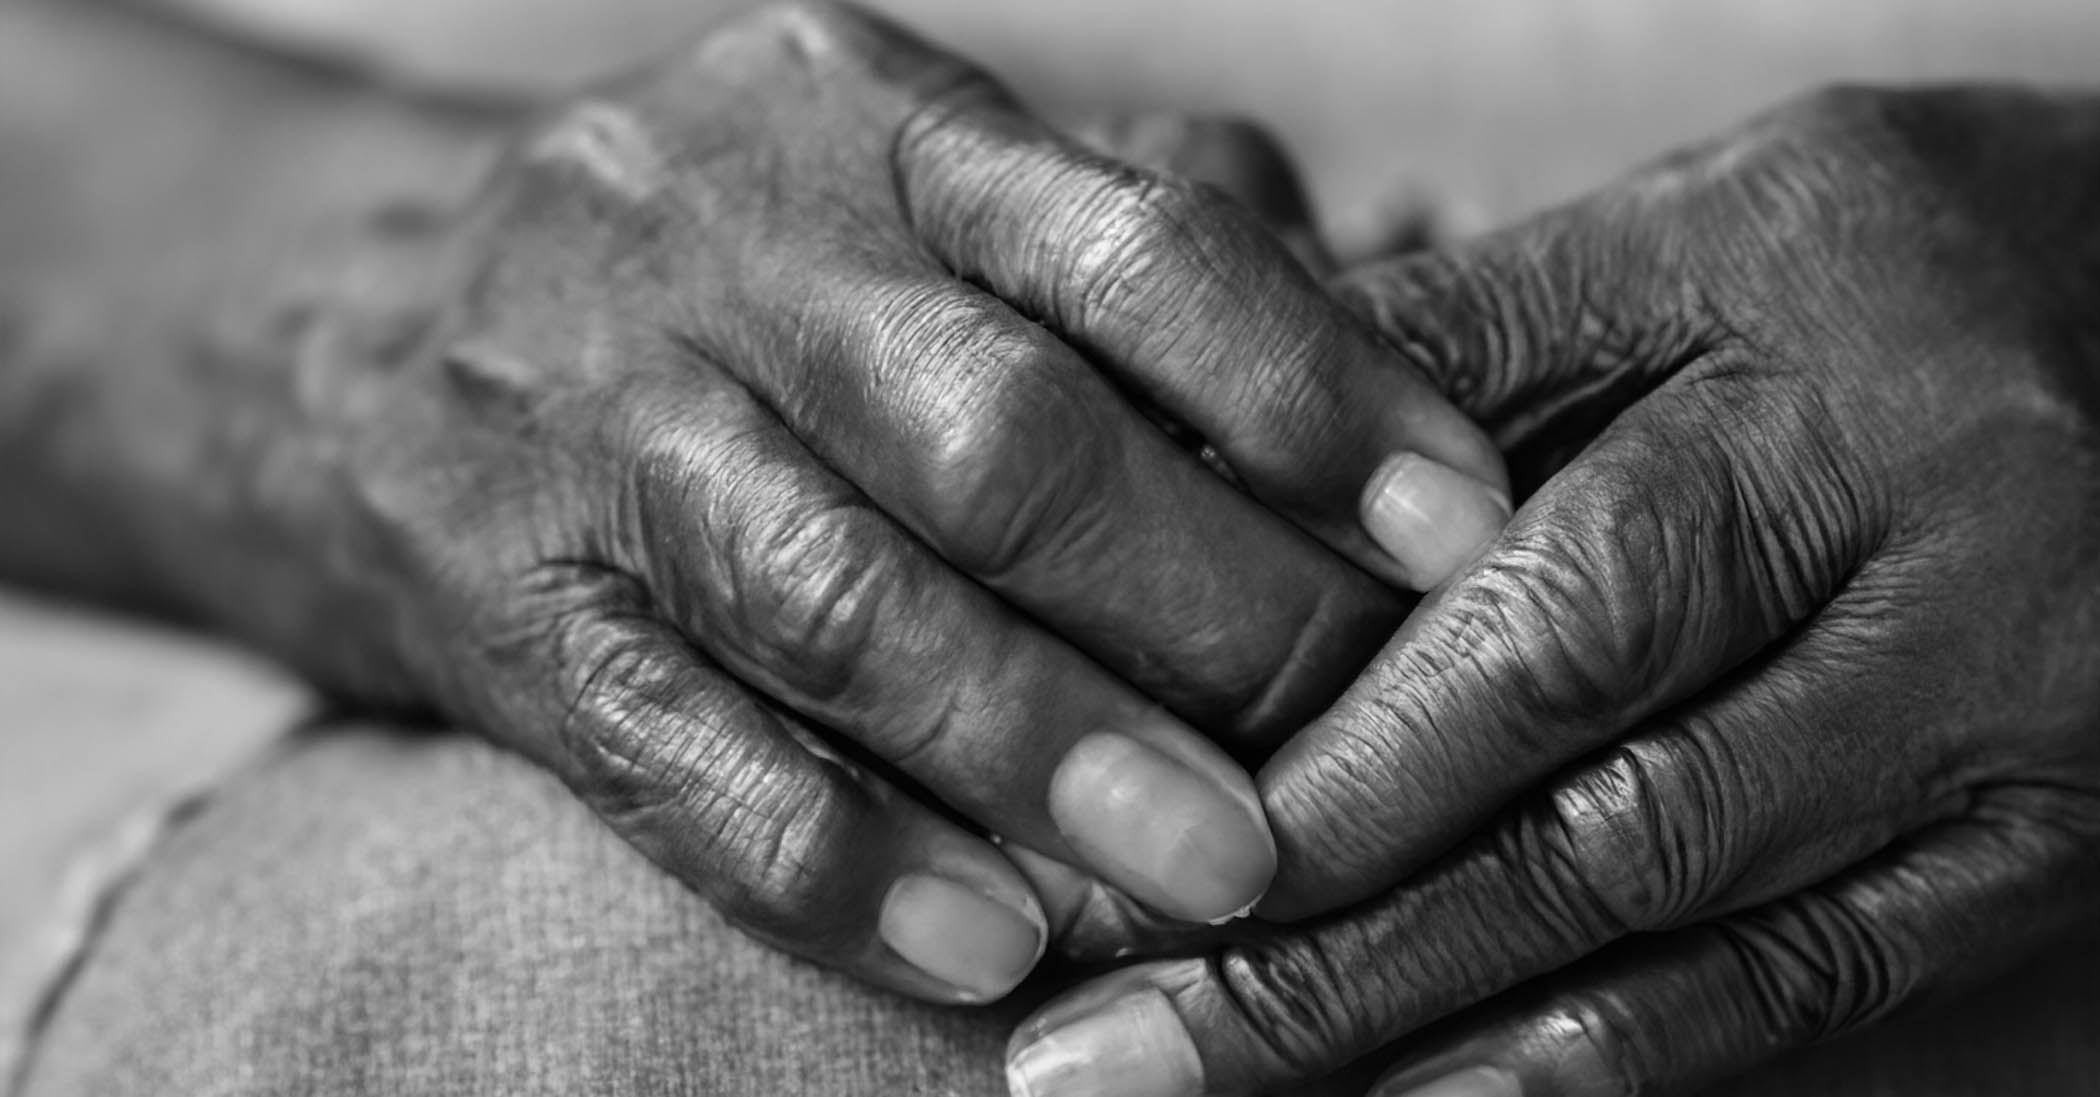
(1430, 518)
(1476, 1082)
(1132, 1046)
(1163, 832)
(982, 946)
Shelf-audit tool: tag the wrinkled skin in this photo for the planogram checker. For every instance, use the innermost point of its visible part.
(1777, 705)
(678, 464)
(770, 451)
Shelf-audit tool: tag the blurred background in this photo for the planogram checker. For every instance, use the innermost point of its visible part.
(1493, 106)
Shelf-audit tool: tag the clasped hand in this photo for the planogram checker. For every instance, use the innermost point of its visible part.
(827, 469)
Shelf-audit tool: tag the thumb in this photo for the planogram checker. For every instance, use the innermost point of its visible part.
(1660, 1012)
(1678, 1011)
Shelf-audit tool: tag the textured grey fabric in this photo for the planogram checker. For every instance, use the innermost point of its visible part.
(378, 914)
(373, 913)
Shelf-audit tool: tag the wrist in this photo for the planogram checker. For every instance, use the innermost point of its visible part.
(217, 247)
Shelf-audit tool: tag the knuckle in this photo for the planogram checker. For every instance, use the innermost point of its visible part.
(759, 838)
(1821, 965)
(1538, 620)
(1011, 447)
(1290, 999)
(1587, 605)
(1803, 524)
(1611, 851)
(613, 728)
(1141, 223)
(810, 588)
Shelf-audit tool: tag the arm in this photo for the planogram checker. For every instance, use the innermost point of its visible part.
(183, 219)
(749, 445)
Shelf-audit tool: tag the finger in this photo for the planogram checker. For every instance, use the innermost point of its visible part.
(1672, 1014)
(799, 848)
(1680, 824)
(1185, 297)
(1668, 554)
(986, 437)
(1541, 333)
(797, 584)
(993, 443)
(1234, 155)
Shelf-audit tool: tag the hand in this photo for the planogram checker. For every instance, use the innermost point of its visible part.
(1777, 705)
(756, 454)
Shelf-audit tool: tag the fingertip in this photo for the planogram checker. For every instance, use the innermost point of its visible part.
(1315, 872)
(1161, 820)
(1430, 518)
(956, 922)
(1118, 1035)
(983, 941)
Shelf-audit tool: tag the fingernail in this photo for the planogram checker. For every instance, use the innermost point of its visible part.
(982, 946)
(1476, 1082)
(1430, 518)
(1131, 1046)
(1171, 836)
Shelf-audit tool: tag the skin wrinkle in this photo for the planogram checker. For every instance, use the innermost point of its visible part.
(1860, 973)
(778, 828)
(1717, 858)
(1010, 411)
(1292, 412)
(1560, 892)
(634, 815)
(939, 121)
(1075, 534)
(1279, 410)
(1780, 534)
(1487, 952)
(1085, 219)
(1291, 1029)
(560, 254)
(1532, 613)
(1780, 989)
(1826, 777)
(1620, 841)
(1119, 228)
(805, 589)
(1379, 756)
(1000, 167)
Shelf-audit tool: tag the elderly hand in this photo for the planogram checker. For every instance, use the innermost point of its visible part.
(1777, 705)
(756, 454)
